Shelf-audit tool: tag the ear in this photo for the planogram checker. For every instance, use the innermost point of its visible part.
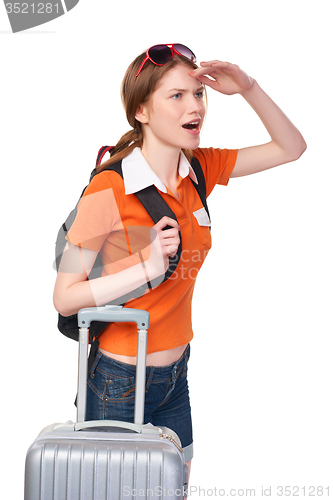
(142, 114)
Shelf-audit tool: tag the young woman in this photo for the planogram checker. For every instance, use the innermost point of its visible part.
(163, 93)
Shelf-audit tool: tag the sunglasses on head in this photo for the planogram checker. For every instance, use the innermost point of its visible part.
(161, 54)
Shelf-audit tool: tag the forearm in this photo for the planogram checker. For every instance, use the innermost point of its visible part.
(73, 291)
(286, 145)
(281, 130)
(99, 291)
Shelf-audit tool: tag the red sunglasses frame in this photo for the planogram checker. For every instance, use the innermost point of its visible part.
(173, 51)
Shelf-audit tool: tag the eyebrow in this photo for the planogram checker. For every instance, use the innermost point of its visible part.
(186, 90)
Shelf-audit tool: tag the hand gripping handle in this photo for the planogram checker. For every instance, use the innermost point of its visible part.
(112, 314)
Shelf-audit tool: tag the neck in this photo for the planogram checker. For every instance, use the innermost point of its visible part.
(164, 162)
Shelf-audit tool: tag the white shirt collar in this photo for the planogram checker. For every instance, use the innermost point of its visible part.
(138, 174)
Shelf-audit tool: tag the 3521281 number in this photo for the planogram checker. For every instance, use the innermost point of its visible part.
(32, 8)
(297, 491)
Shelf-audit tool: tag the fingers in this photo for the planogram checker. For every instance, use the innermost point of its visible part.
(166, 221)
(209, 72)
(211, 67)
(167, 231)
(223, 76)
(204, 80)
(165, 241)
(222, 65)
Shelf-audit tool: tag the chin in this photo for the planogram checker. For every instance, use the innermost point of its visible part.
(192, 143)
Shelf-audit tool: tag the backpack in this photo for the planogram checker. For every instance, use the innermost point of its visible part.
(157, 208)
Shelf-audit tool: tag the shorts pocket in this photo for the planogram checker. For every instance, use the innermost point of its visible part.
(119, 388)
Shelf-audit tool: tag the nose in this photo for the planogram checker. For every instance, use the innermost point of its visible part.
(196, 106)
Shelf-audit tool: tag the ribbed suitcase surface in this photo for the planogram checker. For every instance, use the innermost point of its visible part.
(88, 466)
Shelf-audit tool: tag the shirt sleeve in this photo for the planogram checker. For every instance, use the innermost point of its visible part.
(97, 215)
(217, 165)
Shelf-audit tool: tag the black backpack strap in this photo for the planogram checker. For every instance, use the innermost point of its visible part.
(201, 186)
(156, 207)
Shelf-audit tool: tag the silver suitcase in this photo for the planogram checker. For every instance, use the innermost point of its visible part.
(106, 460)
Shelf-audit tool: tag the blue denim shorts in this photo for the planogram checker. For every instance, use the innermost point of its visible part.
(111, 389)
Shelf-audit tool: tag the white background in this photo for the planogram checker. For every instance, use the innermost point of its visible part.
(261, 362)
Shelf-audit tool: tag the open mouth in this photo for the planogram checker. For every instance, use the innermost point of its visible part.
(192, 125)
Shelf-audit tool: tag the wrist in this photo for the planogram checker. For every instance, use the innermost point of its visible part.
(149, 270)
(246, 93)
(147, 273)
(153, 271)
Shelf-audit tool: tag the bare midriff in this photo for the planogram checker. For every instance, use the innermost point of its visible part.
(160, 358)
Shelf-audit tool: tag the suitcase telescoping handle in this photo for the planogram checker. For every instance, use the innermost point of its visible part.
(112, 314)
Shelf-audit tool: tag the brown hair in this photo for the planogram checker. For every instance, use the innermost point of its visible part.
(136, 91)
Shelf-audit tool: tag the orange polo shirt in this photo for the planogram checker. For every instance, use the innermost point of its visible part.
(112, 221)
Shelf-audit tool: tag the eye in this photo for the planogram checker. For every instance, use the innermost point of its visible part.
(200, 95)
(177, 96)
